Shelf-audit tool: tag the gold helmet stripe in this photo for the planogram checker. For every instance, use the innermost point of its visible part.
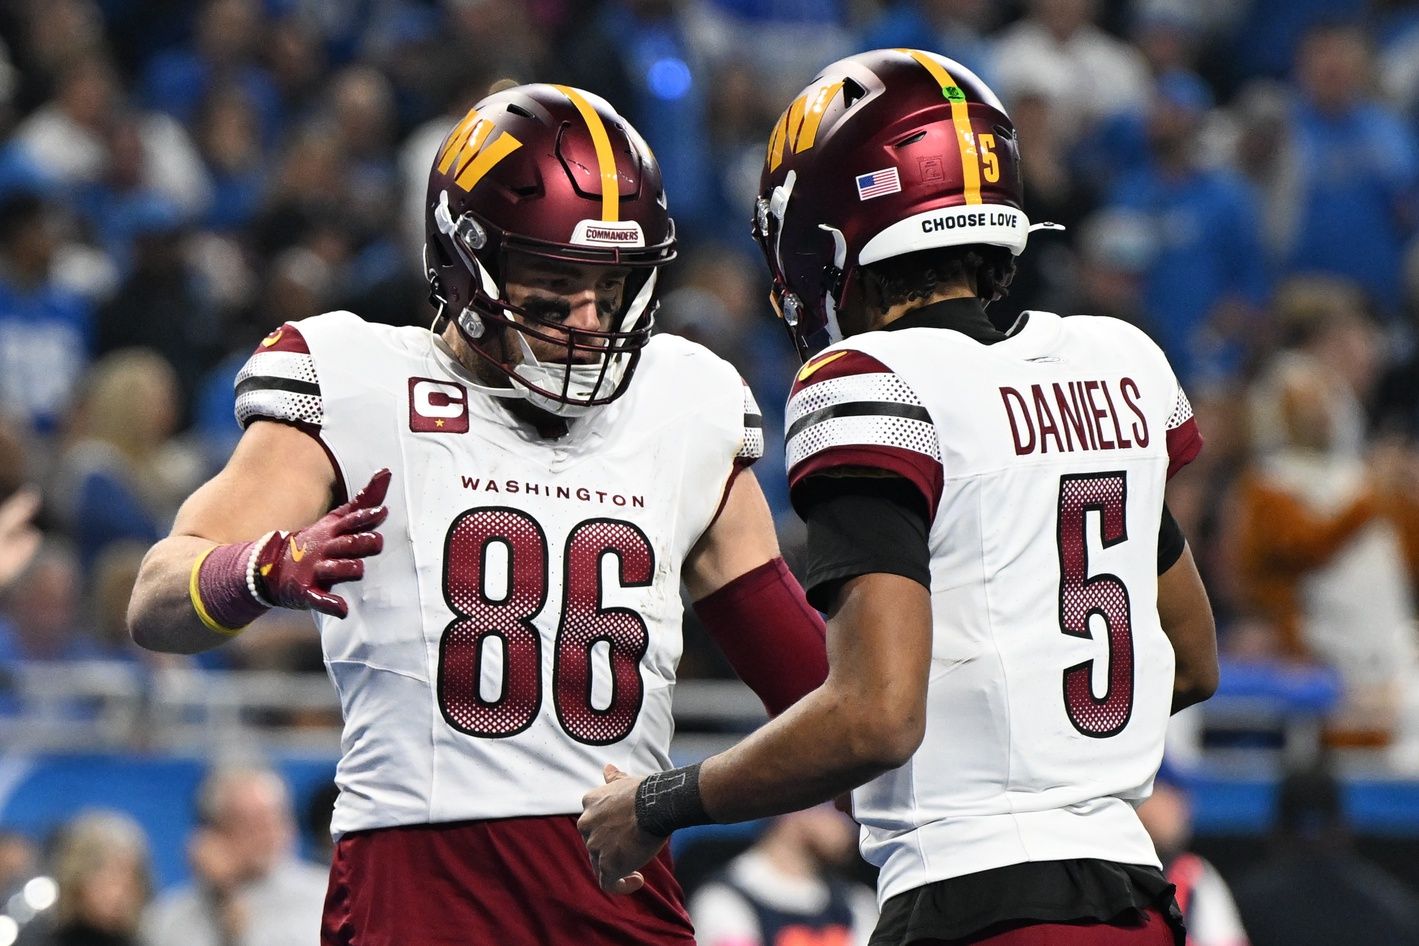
(960, 117)
(798, 126)
(457, 140)
(486, 158)
(610, 179)
(777, 140)
(813, 115)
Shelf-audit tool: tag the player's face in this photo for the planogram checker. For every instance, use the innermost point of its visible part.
(566, 297)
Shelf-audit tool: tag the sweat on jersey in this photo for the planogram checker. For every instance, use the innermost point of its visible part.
(522, 626)
(1042, 460)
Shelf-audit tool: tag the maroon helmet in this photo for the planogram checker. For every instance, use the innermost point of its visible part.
(552, 172)
(886, 152)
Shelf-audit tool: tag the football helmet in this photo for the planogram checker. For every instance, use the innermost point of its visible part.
(550, 172)
(884, 153)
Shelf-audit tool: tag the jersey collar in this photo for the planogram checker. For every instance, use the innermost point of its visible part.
(965, 315)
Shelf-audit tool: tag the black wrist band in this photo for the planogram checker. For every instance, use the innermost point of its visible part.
(669, 800)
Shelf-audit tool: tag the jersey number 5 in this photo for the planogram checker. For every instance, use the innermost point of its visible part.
(1081, 597)
(584, 625)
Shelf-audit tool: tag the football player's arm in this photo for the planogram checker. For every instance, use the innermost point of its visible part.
(871, 571)
(751, 605)
(868, 717)
(869, 568)
(278, 478)
(1186, 617)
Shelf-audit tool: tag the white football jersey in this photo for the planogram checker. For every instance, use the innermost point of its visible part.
(1042, 459)
(521, 627)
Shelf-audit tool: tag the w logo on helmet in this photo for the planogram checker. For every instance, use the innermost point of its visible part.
(797, 128)
(472, 150)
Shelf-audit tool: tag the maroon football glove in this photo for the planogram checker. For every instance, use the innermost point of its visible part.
(296, 570)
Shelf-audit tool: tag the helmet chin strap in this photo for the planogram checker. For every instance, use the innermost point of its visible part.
(578, 381)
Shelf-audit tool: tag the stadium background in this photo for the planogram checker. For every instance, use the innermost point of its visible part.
(1239, 177)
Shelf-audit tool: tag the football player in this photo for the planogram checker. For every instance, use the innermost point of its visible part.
(1013, 613)
(529, 485)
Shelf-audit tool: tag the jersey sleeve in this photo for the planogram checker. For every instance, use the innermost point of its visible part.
(279, 382)
(751, 444)
(1184, 439)
(848, 413)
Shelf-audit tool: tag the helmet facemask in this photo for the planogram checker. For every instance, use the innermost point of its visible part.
(537, 179)
(591, 368)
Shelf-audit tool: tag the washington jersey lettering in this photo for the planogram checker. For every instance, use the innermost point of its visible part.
(521, 627)
(1042, 460)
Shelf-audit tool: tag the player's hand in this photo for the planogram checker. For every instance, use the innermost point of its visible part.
(613, 838)
(297, 570)
(18, 539)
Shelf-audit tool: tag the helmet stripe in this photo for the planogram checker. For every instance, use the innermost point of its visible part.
(961, 118)
(610, 179)
(457, 140)
(777, 140)
(798, 126)
(813, 116)
(486, 159)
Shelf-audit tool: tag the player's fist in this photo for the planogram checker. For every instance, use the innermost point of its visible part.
(297, 569)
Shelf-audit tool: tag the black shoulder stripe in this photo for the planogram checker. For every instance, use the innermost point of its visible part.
(859, 409)
(267, 383)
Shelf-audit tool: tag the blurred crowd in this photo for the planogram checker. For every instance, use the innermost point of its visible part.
(1238, 177)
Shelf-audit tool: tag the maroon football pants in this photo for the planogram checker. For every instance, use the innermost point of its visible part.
(1154, 931)
(509, 882)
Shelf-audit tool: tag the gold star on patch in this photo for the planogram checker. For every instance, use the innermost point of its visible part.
(439, 422)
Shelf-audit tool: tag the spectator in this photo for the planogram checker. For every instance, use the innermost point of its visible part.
(162, 281)
(228, 36)
(1358, 167)
(229, 138)
(1268, 32)
(1115, 247)
(66, 135)
(49, 36)
(122, 477)
(1313, 887)
(1320, 551)
(44, 327)
(39, 617)
(73, 138)
(101, 866)
(19, 860)
(957, 27)
(250, 890)
(1206, 278)
(784, 889)
(1106, 76)
(1202, 894)
(1264, 151)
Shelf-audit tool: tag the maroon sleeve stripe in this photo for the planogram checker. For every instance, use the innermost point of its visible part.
(922, 471)
(1184, 444)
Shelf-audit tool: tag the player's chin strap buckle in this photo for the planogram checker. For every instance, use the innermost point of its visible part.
(1047, 225)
